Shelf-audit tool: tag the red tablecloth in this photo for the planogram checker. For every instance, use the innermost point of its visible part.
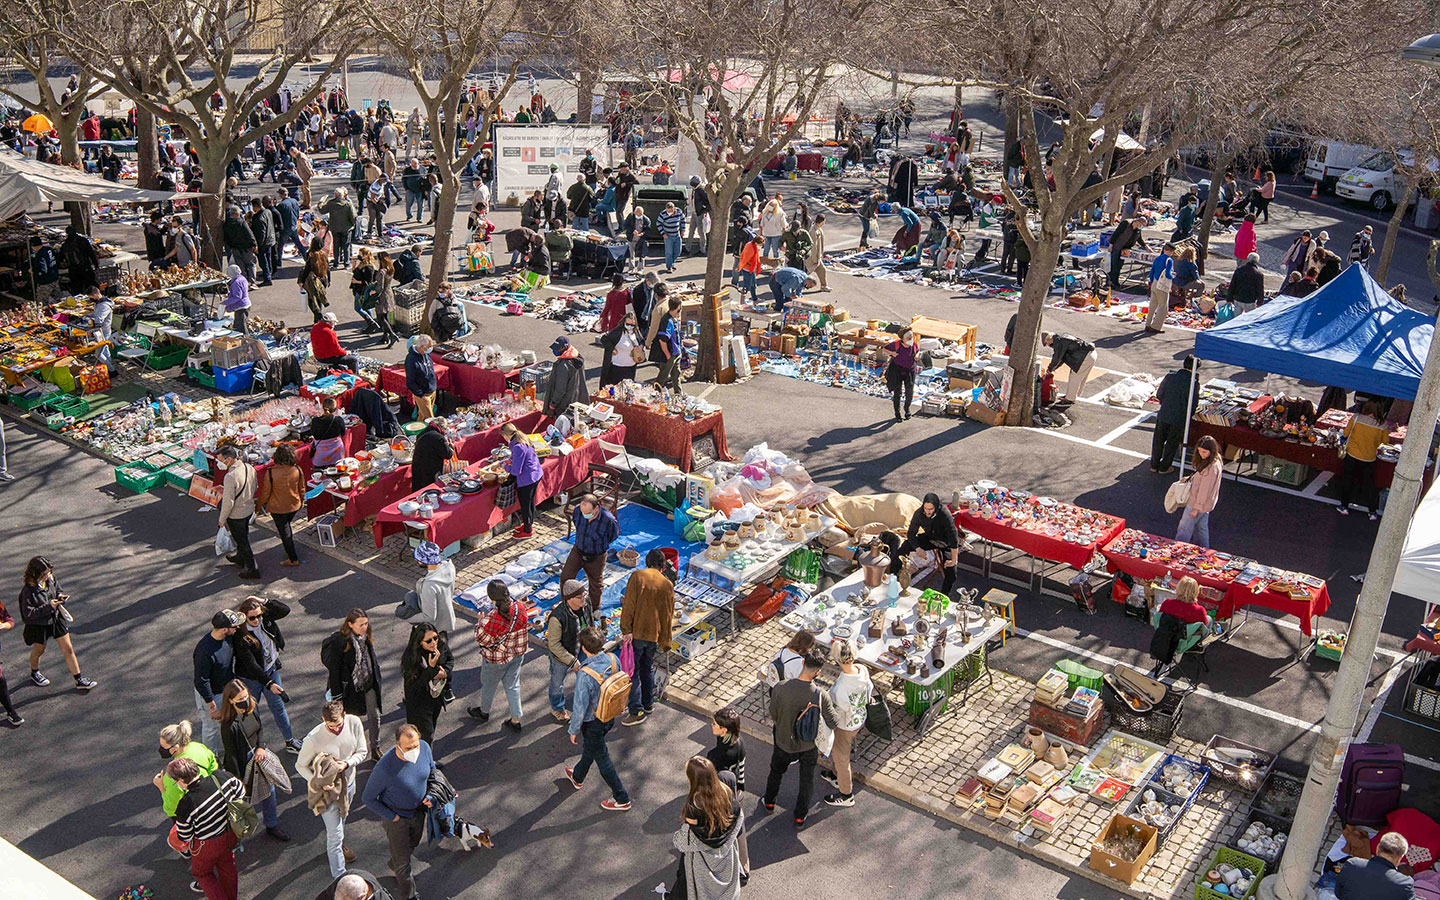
(669, 435)
(1326, 458)
(392, 378)
(370, 498)
(1038, 545)
(477, 513)
(473, 383)
(1234, 596)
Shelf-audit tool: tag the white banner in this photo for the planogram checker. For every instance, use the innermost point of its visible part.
(524, 153)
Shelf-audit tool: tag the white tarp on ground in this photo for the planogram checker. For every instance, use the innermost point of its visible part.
(26, 184)
(1418, 574)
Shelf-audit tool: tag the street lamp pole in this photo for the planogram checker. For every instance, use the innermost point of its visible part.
(1294, 881)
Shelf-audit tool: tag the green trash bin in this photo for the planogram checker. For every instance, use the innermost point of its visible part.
(919, 698)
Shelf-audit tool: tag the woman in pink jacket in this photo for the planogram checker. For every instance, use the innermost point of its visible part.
(1245, 242)
(1204, 494)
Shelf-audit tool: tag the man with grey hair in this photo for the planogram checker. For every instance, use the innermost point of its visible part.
(356, 884)
(1378, 878)
(1247, 285)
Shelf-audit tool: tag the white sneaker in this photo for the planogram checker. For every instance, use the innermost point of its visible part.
(6, 477)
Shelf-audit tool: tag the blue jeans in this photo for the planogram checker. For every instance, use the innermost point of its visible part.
(772, 247)
(209, 728)
(864, 231)
(673, 245)
(364, 314)
(558, 671)
(492, 675)
(778, 293)
(417, 199)
(294, 236)
(269, 810)
(642, 686)
(277, 706)
(593, 750)
(747, 285)
(581, 223)
(335, 834)
(1194, 529)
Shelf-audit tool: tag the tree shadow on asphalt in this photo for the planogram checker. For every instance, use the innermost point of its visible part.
(857, 472)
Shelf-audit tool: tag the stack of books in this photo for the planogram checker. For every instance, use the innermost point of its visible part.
(1084, 703)
(1050, 689)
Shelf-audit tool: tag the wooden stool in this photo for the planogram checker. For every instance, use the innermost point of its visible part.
(1003, 603)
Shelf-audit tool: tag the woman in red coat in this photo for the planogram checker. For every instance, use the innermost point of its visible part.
(617, 302)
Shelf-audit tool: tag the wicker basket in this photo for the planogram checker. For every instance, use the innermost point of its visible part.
(629, 557)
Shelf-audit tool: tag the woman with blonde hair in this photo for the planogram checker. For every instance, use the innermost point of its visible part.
(1175, 616)
(177, 742)
(851, 692)
(773, 223)
(714, 858)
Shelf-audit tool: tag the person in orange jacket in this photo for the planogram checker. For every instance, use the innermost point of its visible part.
(750, 267)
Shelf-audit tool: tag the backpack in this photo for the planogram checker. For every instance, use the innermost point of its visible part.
(807, 724)
(243, 818)
(614, 694)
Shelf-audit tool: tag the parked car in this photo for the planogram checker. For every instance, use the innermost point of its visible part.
(1328, 161)
(1375, 181)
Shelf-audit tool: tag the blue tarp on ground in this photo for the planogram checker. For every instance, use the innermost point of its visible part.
(1348, 334)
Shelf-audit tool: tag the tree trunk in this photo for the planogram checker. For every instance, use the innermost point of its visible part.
(212, 207)
(147, 153)
(1012, 128)
(1026, 345)
(585, 94)
(440, 252)
(1217, 173)
(707, 364)
(69, 130)
(1392, 235)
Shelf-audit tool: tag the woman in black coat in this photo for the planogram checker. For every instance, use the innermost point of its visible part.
(354, 674)
(426, 668)
(613, 371)
(931, 528)
(432, 449)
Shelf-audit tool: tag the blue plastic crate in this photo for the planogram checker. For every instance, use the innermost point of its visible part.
(1087, 249)
(1175, 759)
(235, 379)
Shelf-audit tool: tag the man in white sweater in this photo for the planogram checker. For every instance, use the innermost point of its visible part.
(341, 737)
(237, 505)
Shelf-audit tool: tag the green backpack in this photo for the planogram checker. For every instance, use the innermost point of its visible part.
(243, 818)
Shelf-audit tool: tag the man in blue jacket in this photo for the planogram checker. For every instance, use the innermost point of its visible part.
(214, 667)
(289, 209)
(788, 283)
(595, 530)
(395, 792)
(595, 667)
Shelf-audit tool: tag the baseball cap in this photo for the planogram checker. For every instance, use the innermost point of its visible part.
(561, 344)
(572, 587)
(227, 618)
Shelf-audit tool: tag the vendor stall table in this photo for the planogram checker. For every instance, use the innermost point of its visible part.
(671, 436)
(851, 604)
(392, 378)
(1037, 545)
(354, 440)
(596, 259)
(478, 513)
(762, 566)
(473, 383)
(342, 399)
(1327, 458)
(1234, 596)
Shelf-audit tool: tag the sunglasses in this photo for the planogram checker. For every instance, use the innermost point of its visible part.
(254, 618)
(430, 642)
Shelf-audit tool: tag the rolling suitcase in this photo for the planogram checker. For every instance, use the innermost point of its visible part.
(1370, 783)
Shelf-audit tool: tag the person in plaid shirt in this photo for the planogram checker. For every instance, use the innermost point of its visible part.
(503, 636)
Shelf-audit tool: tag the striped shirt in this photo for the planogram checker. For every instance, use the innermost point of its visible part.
(671, 223)
(200, 814)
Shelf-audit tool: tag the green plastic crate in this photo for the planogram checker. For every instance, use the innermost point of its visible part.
(167, 356)
(1080, 674)
(138, 477)
(803, 565)
(1238, 860)
(201, 377)
(179, 475)
(28, 402)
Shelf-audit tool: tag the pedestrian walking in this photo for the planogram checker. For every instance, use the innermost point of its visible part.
(12, 716)
(395, 791)
(202, 826)
(241, 736)
(425, 667)
(213, 667)
(259, 645)
(562, 638)
(671, 223)
(816, 259)
(728, 754)
(595, 530)
(601, 689)
(1300, 254)
(851, 694)
(623, 350)
(1204, 493)
(315, 279)
(1178, 392)
(327, 761)
(354, 674)
(1362, 248)
(665, 345)
(177, 742)
(503, 636)
(432, 602)
(1363, 437)
(646, 616)
(714, 858)
(355, 884)
(699, 218)
(46, 618)
(797, 708)
(1162, 278)
(237, 508)
(282, 493)
(1261, 197)
(904, 363)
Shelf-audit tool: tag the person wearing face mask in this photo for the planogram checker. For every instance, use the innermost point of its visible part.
(595, 530)
(214, 667)
(356, 884)
(258, 647)
(624, 351)
(395, 791)
(42, 609)
(448, 321)
(176, 742)
(202, 827)
(240, 734)
(354, 674)
(334, 747)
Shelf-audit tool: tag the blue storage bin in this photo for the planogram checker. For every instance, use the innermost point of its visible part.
(1105, 238)
(1090, 249)
(235, 379)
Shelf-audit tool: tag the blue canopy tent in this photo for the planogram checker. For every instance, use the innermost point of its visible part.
(1349, 334)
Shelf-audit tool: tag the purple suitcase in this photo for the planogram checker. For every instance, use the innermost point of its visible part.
(1370, 783)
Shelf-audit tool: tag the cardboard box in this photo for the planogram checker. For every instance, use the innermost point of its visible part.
(982, 413)
(962, 383)
(1126, 870)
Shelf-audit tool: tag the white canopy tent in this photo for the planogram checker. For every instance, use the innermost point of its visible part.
(1418, 574)
(25, 184)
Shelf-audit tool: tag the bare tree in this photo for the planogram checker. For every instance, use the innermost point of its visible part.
(738, 79)
(440, 41)
(201, 90)
(1406, 113)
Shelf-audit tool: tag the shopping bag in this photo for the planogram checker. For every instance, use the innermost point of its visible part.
(824, 739)
(1176, 496)
(224, 543)
(877, 717)
(627, 658)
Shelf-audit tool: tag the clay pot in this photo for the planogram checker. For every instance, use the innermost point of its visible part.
(1035, 739)
(1058, 757)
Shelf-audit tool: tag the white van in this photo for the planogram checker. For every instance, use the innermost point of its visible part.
(1374, 181)
(1327, 161)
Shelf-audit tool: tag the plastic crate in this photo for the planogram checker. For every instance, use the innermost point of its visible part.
(1245, 779)
(236, 379)
(1279, 795)
(666, 499)
(166, 356)
(1226, 855)
(70, 406)
(1192, 765)
(407, 319)
(803, 565)
(1137, 798)
(1273, 822)
(1080, 674)
(203, 377)
(1157, 726)
(138, 477)
(1423, 701)
(29, 401)
(179, 475)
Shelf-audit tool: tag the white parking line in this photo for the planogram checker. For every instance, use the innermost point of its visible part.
(1115, 433)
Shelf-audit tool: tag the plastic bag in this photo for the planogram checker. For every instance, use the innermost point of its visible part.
(224, 543)
(627, 658)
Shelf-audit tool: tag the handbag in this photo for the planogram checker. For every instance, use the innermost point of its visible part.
(877, 717)
(637, 356)
(244, 819)
(627, 658)
(1177, 496)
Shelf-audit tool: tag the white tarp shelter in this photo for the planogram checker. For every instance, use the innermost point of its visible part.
(1418, 574)
(26, 184)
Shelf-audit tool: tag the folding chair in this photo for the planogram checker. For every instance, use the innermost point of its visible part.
(619, 461)
(137, 352)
